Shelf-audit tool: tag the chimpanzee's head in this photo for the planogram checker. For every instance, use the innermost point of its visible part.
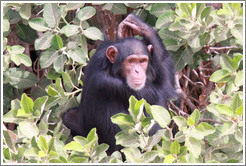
(130, 57)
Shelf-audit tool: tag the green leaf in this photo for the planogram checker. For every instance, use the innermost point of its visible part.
(226, 10)
(221, 33)
(206, 13)
(239, 78)
(80, 139)
(239, 136)
(79, 160)
(161, 115)
(20, 79)
(239, 110)
(157, 9)
(124, 121)
(228, 128)
(39, 103)
(180, 121)
(70, 30)
(52, 14)
(28, 129)
(164, 20)
(22, 113)
(48, 57)
(25, 11)
(16, 49)
(43, 42)
(21, 58)
(78, 55)
(220, 76)
(187, 55)
(149, 157)
(225, 110)
(92, 138)
(93, 33)
(100, 149)
(67, 81)
(38, 24)
(202, 130)
(226, 63)
(175, 147)
(236, 102)
(75, 146)
(42, 144)
(194, 146)
(59, 63)
(204, 38)
(127, 140)
(86, 13)
(6, 154)
(57, 42)
(11, 138)
(6, 24)
(31, 152)
(52, 91)
(195, 116)
(169, 159)
(119, 8)
(237, 32)
(25, 33)
(185, 9)
(236, 60)
(190, 122)
(178, 60)
(26, 103)
(73, 6)
(199, 7)
(132, 154)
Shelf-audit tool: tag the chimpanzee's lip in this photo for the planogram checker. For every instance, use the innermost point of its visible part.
(138, 82)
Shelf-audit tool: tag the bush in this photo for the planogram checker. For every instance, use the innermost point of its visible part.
(46, 45)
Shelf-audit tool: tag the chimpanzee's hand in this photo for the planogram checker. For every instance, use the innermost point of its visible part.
(132, 26)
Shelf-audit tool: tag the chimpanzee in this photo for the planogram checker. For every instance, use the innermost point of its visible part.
(119, 69)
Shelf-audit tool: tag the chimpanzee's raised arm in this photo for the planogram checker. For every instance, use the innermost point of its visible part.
(133, 25)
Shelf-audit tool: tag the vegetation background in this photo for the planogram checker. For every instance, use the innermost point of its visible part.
(46, 45)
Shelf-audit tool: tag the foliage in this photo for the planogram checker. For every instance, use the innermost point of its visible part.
(46, 46)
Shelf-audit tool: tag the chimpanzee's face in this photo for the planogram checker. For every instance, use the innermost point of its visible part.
(134, 70)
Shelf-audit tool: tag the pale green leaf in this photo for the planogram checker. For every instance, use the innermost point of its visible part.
(28, 129)
(86, 13)
(48, 57)
(43, 42)
(194, 146)
(20, 78)
(175, 147)
(25, 11)
(52, 14)
(93, 33)
(169, 159)
(42, 144)
(26, 103)
(21, 58)
(220, 76)
(161, 115)
(38, 24)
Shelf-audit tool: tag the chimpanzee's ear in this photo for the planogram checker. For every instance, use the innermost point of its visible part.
(111, 53)
(150, 48)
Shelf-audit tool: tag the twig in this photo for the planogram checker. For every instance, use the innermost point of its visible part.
(210, 120)
(193, 83)
(223, 48)
(179, 111)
